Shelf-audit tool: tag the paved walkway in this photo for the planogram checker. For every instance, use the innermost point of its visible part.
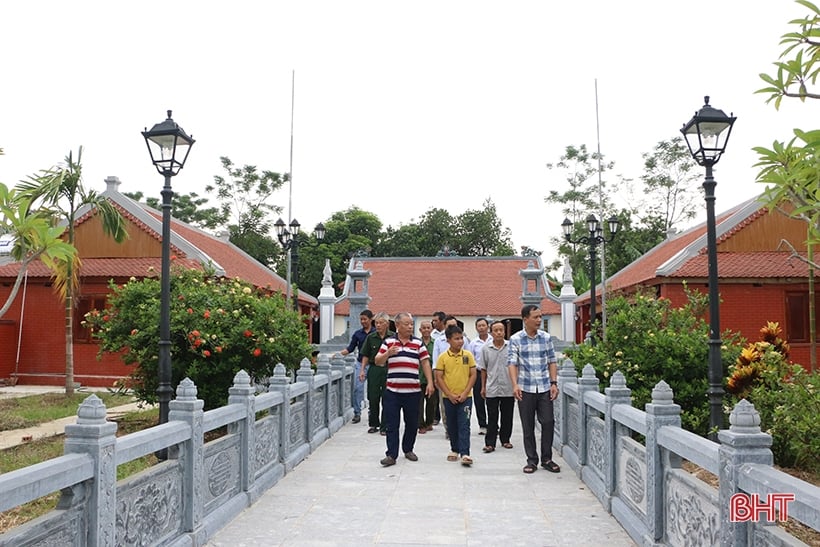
(14, 437)
(340, 495)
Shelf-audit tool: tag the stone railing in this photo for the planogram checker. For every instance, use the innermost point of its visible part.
(641, 483)
(201, 486)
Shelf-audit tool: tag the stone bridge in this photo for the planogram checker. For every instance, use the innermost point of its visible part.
(629, 459)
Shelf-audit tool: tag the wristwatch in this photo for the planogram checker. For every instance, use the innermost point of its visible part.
(553, 382)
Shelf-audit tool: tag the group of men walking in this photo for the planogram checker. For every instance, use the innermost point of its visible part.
(414, 379)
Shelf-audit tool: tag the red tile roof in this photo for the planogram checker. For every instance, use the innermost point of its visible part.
(758, 264)
(104, 267)
(190, 246)
(692, 242)
(462, 286)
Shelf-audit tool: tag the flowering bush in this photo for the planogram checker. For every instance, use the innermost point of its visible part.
(756, 357)
(218, 326)
(648, 340)
(786, 396)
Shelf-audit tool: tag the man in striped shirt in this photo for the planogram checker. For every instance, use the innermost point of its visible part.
(404, 355)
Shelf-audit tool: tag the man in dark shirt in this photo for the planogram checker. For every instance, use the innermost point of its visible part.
(356, 342)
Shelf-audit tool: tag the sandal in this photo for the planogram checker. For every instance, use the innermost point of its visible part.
(551, 466)
(488, 449)
(452, 457)
(466, 460)
(506, 445)
(529, 469)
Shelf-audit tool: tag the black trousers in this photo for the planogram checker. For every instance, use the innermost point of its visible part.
(506, 405)
(530, 407)
(478, 404)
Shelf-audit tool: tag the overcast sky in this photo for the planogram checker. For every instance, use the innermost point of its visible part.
(399, 106)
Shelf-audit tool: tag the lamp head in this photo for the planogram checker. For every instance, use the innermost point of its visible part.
(168, 145)
(707, 133)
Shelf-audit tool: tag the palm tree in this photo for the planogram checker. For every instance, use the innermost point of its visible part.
(32, 237)
(60, 192)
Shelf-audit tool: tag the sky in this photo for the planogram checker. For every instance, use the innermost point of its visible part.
(397, 106)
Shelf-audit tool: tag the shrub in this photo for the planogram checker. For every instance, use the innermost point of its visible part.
(648, 340)
(786, 396)
(218, 326)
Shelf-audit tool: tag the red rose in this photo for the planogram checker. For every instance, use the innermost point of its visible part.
(257, 352)
(206, 353)
(248, 333)
(134, 331)
(195, 333)
(106, 318)
(207, 314)
(218, 349)
(190, 310)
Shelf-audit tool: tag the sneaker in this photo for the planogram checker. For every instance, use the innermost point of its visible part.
(482, 431)
(356, 419)
(411, 456)
(466, 460)
(387, 461)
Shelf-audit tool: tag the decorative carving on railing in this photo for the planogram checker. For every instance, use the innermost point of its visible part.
(267, 441)
(297, 433)
(596, 450)
(692, 515)
(574, 436)
(221, 470)
(317, 409)
(631, 473)
(149, 511)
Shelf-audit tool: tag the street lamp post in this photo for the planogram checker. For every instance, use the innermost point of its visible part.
(595, 238)
(706, 135)
(290, 242)
(169, 147)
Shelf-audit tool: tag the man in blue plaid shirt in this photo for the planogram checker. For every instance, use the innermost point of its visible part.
(533, 370)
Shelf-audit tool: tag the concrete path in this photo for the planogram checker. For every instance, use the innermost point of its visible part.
(14, 437)
(340, 495)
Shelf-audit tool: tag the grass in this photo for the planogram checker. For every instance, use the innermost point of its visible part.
(52, 447)
(17, 413)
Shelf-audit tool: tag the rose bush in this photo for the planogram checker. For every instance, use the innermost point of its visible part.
(218, 326)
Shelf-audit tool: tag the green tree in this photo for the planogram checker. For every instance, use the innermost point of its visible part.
(585, 195)
(33, 237)
(346, 233)
(61, 193)
(190, 208)
(218, 327)
(481, 233)
(793, 169)
(437, 230)
(245, 197)
(668, 185)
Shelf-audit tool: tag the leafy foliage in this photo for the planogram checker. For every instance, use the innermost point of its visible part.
(189, 208)
(786, 396)
(34, 237)
(648, 340)
(244, 196)
(218, 326)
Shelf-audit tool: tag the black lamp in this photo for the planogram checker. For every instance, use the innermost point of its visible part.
(707, 134)
(169, 146)
(595, 238)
